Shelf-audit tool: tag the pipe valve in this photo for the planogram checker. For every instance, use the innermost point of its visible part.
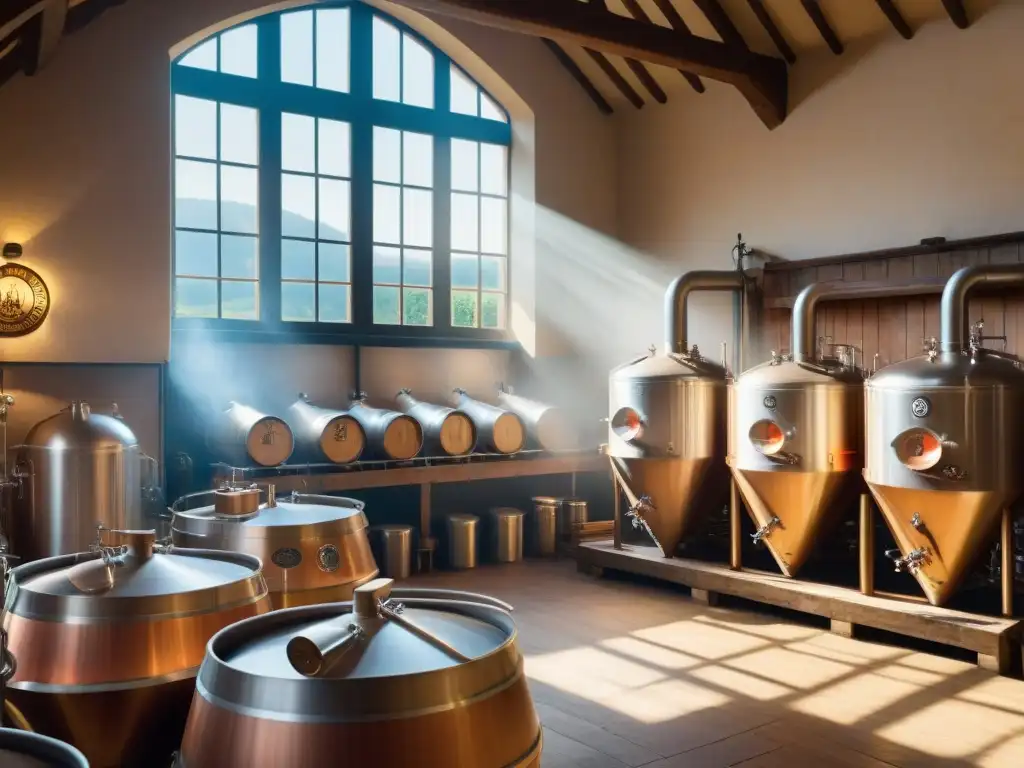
(636, 512)
(909, 564)
(765, 530)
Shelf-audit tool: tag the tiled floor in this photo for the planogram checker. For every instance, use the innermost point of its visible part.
(630, 675)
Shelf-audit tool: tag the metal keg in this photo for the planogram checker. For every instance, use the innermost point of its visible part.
(508, 534)
(393, 544)
(462, 541)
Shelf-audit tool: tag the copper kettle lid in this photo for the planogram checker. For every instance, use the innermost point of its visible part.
(293, 510)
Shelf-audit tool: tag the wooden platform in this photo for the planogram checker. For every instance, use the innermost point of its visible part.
(996, 640)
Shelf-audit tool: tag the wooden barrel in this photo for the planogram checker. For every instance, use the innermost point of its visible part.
(445, 429)
(389, 434)
(324, 433)
(546, 425)
(499, 431)
(245, 435)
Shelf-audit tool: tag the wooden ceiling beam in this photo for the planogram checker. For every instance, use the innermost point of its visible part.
(761, 79)
(636, 10)
(827, 33)
(616, 77)
(783, 46)
(957, 12)
(721, 23)
(579, 76)
(892, 13)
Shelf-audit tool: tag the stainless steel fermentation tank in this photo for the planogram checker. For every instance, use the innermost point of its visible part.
(75, 470)
(666, 434)
(796, 429)
(944, 441)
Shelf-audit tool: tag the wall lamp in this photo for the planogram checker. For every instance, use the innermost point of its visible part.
(12, 250)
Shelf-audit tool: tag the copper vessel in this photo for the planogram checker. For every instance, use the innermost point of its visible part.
(500, 430)
(943, 442)
(322, 434)
(410, 678)
(22, 749)
(666, 434)
(447, 431)
(244, 436)
(108, 643)
(547, 426)
(391, 435)
(314, 549)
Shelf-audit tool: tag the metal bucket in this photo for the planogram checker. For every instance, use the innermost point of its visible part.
(393, 544)
(462, 541)
(544, 533)
(508, 535)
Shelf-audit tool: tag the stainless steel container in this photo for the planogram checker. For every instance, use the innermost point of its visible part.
(547, 426)
(314, 549)
(390, 435)
(944, 448)
(21, 749)
(108, 643)
(76, 469)
(409, 678)
(393, 544)
(571, 513)
(666, 431)
(446, 431)
(324, 434)
(499, 430)
(244, 436)
(544, 526)
(508, 535)
(462, 532)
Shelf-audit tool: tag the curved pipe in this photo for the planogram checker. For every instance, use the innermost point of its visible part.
(678, 294)
(953, 331)
(806, 306)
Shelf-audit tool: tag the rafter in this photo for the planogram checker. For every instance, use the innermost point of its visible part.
(957, 12)
(827, 33)
(721, 22)
(616, 77)
(760, 79)
(892, 13)
(783, 46)
(636, 10)
(579, 76)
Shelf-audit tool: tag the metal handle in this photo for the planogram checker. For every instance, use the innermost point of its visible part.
(420, 593)
(327, 501)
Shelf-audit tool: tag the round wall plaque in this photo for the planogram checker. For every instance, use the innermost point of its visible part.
(24, 300)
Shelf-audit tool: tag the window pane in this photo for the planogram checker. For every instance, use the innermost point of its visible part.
(195, 298)
(334, 147)
(239, 127)
(239, 192)
(298, 206)
(195, 127)
(387, 218)
(334, 263)
(418, 159)
(334, 210)
(492, 310)
(385, 305)
(418, 217)
(387, 155)
(417, 73)
(493, 169)
(465, 171)
(335, 306)
(492, 273)
(238, 300)
(464, 93)
(416, 306)
(465, 270)
(195, 191)
(298, 260)
(493, 225)
(195, 253)
(297, 48)
(387, 265)
(387, 56)
(465, 228)
(238, 51)
(417, 267)
(238, 256)
(297, 143)
(298, 302)
(464, 309)
(332, 49)
(201, 57)
(489, 110)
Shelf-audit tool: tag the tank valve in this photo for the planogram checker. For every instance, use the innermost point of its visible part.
(636, 512)
(911, 563)
(765, 530)
(917, 522)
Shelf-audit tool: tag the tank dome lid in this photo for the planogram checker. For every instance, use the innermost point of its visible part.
(789, 374)
(986, 370)
(297, 510)
(670, 366)
(77, 426)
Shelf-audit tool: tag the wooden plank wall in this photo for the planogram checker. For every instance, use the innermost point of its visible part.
(894, 329)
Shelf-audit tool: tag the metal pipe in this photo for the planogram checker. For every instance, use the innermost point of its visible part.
(677, 298)
(617, 526)
(1006, 572)
(805, 307)
(735, 527)
(953, 331)
(867, 546)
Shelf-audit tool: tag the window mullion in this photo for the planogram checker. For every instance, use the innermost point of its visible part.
(442, 257)
(270, 176)
(361, 85)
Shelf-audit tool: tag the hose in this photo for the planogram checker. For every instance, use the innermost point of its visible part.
(16, 718)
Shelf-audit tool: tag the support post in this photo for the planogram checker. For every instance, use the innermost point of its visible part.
(735, 527)
(867, 546)
(1006, 570)
(617, 527)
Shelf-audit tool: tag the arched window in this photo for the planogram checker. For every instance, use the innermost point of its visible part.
(335, 173)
